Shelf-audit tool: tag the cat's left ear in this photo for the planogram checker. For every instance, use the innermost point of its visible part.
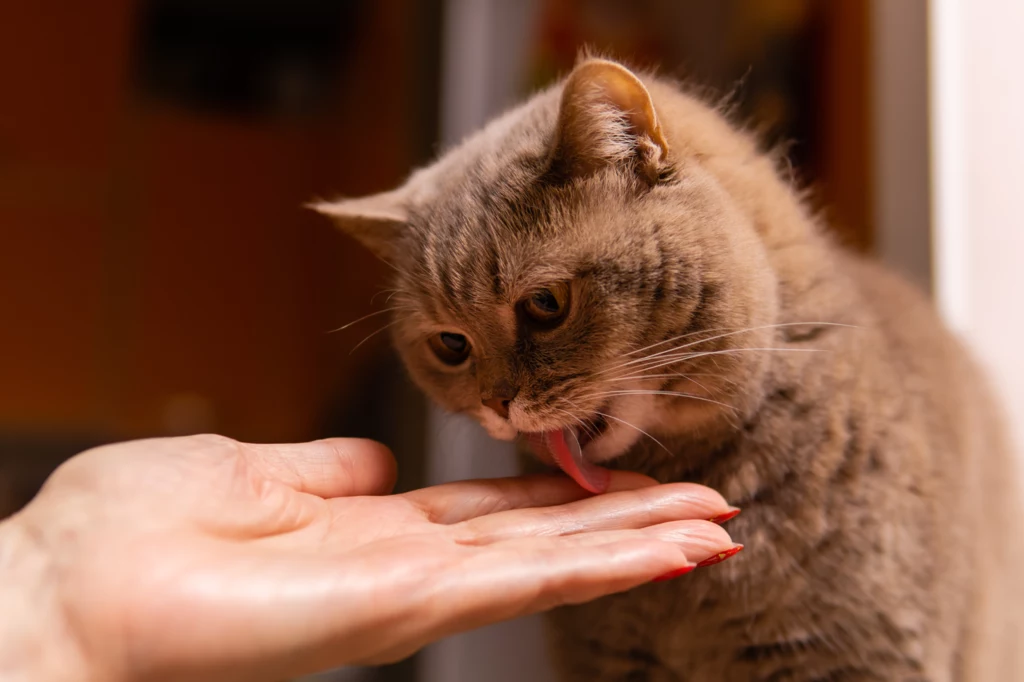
(376, 221)
(607, 118)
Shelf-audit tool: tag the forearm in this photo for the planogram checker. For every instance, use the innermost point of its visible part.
(35, 641)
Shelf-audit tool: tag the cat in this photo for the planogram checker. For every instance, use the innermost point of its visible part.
(614, 262)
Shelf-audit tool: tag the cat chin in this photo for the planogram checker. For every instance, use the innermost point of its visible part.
(615, 441)
(496, 427)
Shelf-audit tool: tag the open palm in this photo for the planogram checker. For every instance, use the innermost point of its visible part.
(205, 558)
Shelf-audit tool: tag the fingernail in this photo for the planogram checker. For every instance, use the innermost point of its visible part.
(720, 557)
(722, 518)
(674, 574)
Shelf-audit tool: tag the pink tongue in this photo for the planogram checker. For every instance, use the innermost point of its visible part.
(564, 448)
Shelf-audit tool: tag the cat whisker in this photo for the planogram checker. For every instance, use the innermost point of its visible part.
(632, 377)
(720, 377)
(689, 334)
(387, 263)
(669, 375)
(383, 291)
(729, 331)
(693, 381)
(575, 437)
(689, 375)
(665, 361)
(679, 394)
(372, 334)
(366, 317)
(634, 426)
(583, 424)
(674, 349)
(733, 332)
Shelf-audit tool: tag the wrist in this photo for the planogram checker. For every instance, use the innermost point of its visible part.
(36, 642)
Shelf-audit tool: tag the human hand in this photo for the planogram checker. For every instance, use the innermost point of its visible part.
(204, 558)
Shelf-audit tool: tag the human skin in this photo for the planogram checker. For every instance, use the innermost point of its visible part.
(203, 558)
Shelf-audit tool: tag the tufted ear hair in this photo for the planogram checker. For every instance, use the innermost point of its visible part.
(607, 118)
(376, 221)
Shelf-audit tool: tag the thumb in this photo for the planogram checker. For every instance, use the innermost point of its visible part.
(335, 467)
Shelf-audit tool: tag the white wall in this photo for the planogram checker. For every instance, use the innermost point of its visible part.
(977, 51)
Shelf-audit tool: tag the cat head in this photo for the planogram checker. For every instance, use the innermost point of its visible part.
(568, 268)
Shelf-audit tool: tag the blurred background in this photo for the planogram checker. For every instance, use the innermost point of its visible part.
(158, 275)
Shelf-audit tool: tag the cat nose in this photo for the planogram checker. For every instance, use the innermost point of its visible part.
(501, 397)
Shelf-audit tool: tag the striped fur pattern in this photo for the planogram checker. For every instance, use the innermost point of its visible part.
(721, 338)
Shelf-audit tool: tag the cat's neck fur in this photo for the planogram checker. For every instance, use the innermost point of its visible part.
(802, 259)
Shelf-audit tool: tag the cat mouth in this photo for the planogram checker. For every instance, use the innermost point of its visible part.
(565, 448)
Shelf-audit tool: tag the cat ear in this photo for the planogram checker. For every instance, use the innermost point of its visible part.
(607, 118)
(375, 221)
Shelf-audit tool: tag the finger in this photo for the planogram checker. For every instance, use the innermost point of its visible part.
(455, 502)
(335, 467)
(533, 577)
(637, 508)
(514, 579)
(698, 540)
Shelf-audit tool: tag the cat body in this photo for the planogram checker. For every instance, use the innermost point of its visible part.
(700, 326)
(878, 519)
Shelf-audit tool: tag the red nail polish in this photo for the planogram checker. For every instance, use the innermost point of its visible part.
(721, 556)
(722, 518)
(673, 574)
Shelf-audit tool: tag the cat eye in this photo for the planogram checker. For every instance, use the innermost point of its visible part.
(451, 349)
(548, 305)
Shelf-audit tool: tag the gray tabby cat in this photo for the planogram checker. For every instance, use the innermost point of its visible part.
(614, 271)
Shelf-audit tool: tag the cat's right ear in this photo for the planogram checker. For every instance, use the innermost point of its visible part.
(607, 118)
(376, 221)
